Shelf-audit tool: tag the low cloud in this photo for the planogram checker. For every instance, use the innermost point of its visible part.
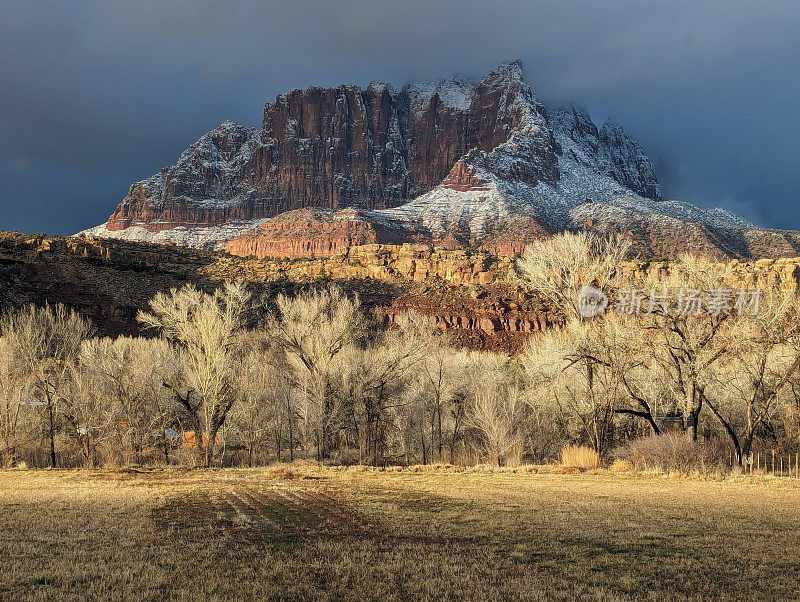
(98, 94)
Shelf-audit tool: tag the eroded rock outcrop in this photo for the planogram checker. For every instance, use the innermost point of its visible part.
(310, 233)
(473, 295)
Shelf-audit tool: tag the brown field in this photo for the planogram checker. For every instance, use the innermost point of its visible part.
(304, 532)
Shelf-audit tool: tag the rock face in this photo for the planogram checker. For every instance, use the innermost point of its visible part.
(339, 147)
(472, 295)
(465, 293)
(209, 185)
(449, 163)
(310, 233)
(346, 147)
(610, 150)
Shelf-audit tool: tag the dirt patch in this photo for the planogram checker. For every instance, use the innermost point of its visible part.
(267, 511)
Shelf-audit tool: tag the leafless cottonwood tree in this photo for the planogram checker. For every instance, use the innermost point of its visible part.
(689, 341)
(375, 377)
(15, 424)
(496, 410)
(130, 373)
(266, 414)
(43, 344)
(441, 373)
(559, 266)
(628, 350)
(762, 359)
(88, 415)
(576, 361)
(312, 329)
(569, 369)
(204, 328)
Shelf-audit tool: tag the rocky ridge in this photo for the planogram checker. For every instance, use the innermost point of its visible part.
(473, 295)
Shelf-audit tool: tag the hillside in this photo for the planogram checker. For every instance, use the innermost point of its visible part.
(474, 295)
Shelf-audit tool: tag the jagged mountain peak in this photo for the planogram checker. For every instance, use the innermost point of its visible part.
(455, 93)
(445, 162)
(377, 88)
(508, 72)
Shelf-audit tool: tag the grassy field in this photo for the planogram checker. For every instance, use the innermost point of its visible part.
(306, 532)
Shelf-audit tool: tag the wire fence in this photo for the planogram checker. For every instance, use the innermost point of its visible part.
(772, 463)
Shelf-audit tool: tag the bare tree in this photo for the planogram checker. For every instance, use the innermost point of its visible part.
(437, 391)
(130, 372)
(496, 411)
(312, 330)
(628, 349)
(762, 360)
(442, 372)
(558, 267)
(15, 428)
(689, 341)
(375, 377)
(203, 326)
(43, 344)
(89, 415)
(571, 368)
(266, 413)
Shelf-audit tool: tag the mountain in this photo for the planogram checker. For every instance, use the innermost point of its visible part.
(449, 163)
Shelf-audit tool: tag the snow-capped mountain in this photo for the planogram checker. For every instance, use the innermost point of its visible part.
(448, 162)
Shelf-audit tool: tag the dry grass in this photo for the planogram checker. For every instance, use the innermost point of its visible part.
(620, 465)
(580, 456)
(379, 534)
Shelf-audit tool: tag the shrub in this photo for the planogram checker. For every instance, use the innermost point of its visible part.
(281, 472)
(621, 465)
(580, 456)
(672, 452)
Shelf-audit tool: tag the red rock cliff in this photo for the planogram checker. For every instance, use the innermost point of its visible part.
(339, 147)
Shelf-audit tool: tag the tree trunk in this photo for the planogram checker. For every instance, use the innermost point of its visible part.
(52, 434)
(695, 404)
(728, 429)
(210, 445)
(692, 428)
(439, 419)
(291, 434)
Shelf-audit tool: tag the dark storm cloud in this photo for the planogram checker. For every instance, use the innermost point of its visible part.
(94, 95)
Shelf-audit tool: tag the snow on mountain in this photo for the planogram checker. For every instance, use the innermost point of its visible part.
(450, 158)
(456, 93)
(505, 192)
(199, 237)
(208, 173)
(215, 164)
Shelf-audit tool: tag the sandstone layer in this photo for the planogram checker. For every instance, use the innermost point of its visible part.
(475, 296)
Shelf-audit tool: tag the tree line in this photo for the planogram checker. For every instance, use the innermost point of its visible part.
(318, 377)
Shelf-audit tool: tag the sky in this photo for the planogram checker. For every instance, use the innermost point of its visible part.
(95, 95)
